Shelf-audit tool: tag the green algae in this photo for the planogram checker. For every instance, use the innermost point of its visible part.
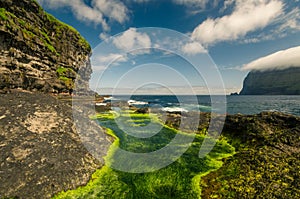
(180, 179)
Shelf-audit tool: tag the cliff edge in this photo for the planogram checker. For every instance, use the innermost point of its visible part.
(39, 52)
(272, 82)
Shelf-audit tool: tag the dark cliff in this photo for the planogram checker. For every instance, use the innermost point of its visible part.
(275, 82)
(38, 52)
(41, 151)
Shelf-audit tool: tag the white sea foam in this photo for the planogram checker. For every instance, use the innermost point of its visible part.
(101, 104)
(108, 98)
(134, 102)
(174, 109)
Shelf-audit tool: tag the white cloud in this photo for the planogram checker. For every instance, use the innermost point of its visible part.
(104, 36)
(279, 60)
(227, 3)
(188, 3)
(99, 68)
(290, 21)
(132, 39)
(113, 9)
(97, 13)
(192, 3)
(247, 16)
(101, 62)
(193, 48)
(111, 57)
(139, 1)
(198, 90)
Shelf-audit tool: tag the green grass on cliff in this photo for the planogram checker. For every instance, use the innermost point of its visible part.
(180, 179)
(29, 31)
(16, 23)
(62, 73)
(3, 14)
(61, 25)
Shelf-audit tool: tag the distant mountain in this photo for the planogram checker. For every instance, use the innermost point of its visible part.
(272, 82)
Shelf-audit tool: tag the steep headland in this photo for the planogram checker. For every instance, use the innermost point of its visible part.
(38, 52)
(272, 82)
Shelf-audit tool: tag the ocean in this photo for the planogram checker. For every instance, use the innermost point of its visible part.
(235, 103)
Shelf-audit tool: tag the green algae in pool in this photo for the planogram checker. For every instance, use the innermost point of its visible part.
(181, 179)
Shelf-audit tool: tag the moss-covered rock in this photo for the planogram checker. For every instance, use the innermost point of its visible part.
(267, 159)
(35, 45)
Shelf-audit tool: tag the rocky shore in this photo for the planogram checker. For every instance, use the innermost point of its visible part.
(267, 159)
(41, 151)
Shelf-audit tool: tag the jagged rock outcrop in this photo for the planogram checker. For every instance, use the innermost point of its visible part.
(272, 82)
(38, 52)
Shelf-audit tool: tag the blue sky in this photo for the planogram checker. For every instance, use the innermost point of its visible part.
(239, 35)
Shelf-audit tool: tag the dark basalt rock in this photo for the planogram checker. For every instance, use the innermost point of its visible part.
(267, 159)
(142, 110)
(272, 82)
(41, 152)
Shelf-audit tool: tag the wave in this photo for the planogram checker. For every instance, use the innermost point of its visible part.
(202, 107)
(174, 109)
(134, 102)
(108, 98)
(101, 104)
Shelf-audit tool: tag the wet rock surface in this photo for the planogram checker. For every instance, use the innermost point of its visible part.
(267, 159)
(41, 152)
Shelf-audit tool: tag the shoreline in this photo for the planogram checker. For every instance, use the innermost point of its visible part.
(270, 136)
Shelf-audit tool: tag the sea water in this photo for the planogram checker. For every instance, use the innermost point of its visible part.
(244, 104)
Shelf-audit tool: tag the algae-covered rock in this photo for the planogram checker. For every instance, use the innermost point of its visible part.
(38, 52)
(267, 159)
